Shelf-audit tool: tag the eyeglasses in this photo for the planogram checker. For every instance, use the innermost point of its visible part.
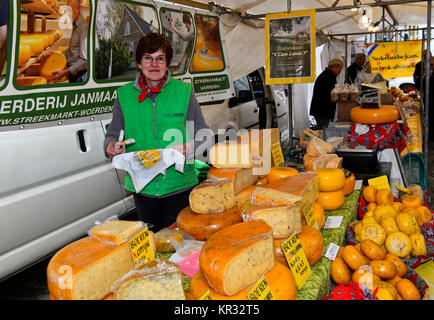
(148, 59)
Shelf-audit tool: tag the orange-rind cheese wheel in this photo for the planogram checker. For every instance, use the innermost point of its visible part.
(55, 61)
(24, 54)
(383, 114)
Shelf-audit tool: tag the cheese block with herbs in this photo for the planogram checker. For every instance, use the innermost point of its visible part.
(212, 196)
(115, 232)
(283, 220)
(236, 256)
(203, 226)
(279, 279)
(242, 178)
(264, 196)
(157, 279)
(86, 269)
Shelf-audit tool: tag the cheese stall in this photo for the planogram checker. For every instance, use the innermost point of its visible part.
(262, 226)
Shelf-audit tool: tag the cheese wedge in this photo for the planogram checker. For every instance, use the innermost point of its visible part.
(242, 178)
(260, 140)
(264, 196)
(212, 196)
(318, 147)
(279, 279)
(236, 256)
(158, 279)
(313, 163)
(203, 226)
(86, 269)
(115, 232)
(283, 220)
(230, 154)
(335, 162)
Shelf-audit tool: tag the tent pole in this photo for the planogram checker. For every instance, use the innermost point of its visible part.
(427, 83)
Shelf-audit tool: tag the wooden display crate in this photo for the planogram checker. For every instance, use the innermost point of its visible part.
(344, 110)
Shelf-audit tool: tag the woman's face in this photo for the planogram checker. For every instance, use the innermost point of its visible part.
(153, 66)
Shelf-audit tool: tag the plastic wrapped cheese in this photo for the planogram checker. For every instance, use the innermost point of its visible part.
(168, 240)
(157, 279)
(203, 226)
(236, 256)
(279, 279)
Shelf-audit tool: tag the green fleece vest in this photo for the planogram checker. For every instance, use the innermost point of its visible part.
(148, 123)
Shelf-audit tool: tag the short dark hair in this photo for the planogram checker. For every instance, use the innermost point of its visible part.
(186, 18)
(152, 42)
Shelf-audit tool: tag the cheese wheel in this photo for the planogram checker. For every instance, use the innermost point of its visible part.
(279, 279)
(55, 61)
(242, 178)
(245, 193)
(24, 54)
(203, 226)
(237, 256)
(277, 173)
(212, 196)
(35, 44)
(158, 279)
(86, 269)
(330, 179)
(383, 114)
(31, 81)
(261, 141)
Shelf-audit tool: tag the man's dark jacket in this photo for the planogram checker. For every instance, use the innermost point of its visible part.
(322, 106)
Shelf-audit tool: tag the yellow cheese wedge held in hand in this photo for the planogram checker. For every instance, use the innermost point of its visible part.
(148, 158)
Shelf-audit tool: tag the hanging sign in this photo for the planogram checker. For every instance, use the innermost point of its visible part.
(290, 47)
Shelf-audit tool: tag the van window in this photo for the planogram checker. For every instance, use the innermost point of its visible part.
(243, 92)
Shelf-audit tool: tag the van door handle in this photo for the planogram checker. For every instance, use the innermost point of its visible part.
(82, 140)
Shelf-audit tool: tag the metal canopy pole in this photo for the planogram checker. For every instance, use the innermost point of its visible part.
(427, 84)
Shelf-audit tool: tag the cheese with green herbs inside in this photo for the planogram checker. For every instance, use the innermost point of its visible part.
(212, 196)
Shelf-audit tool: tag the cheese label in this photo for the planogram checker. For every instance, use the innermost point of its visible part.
(309, 214)
(380, 182)
(296, 259)
(358, 184)
(276, 151)
(403, 189)
(333, 222)
(140, 246)
(244, 205)
(205, 296)
(260, 290)
(332, 251)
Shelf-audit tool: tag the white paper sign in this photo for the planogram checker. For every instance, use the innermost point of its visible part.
(332, 251)
(358, 184)
(333, 222)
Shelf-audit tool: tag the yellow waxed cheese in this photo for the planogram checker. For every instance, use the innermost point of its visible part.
(283, 220)
(35, 44)
(55, 61)
(30, 81)
(158, 279)
(212, 196)
(236, 256)
(24, 54)
(115, 232)
(263, 196)
(242, 178)
(230, 154)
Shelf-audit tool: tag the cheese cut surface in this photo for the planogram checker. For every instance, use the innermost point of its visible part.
(236, 256)
(260, 141)
(115, 232)
(318, 147)
(242, 178)
(313, 163)
(283, 220)
(335, 162)
(264, 196)
(212, 196)
(158, 279)
(280, 281)
(245, 193)
(203, 226)
(230, 154)
(86, 269)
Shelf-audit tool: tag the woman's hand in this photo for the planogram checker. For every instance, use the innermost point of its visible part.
(185, 149)
(111, 149)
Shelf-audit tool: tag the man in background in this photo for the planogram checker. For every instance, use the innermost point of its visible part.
(419, 72)
(76, 56)
(355, 68)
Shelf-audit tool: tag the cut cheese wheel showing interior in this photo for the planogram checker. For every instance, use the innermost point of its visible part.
(203, 226)
(212, 196)
(30, 81)
(335, 162)
(312, 163)
(158, 279)
(230, 154)
(115, 232)
(237, 256)
(283, 220)
(242, 178)
(264, 196)
(279, 279)
(86, 269)
(55, 61)
(260, 140)
(381, 115)
(245, 193)
(318, 147)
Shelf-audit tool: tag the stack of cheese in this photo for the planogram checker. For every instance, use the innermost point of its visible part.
(87, 268)
(333, 186)
(319, 155)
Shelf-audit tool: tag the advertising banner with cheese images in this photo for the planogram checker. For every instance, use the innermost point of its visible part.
(394, 59)
(290, 47)
(63, 62)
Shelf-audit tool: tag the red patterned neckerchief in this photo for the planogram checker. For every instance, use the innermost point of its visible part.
(147, 90)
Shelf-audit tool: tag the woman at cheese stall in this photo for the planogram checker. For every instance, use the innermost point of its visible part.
(145, 109)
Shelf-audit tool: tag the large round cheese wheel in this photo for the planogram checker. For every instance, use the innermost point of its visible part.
(55, 61)
(203, 226)
(277, 173)
(24, 54)
(31, 81)
(383, 114)
(280, 281)
(36, 44)
(330, 179)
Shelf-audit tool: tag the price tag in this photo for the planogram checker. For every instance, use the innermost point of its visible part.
(309, 214)
(332, 251)
(296, 259)
(333, 222)
(244, 205)
(140, 246)
(358, 184)
(403, 189)
(205, 296)
(260, 290)
(276, 151)
(380, 182)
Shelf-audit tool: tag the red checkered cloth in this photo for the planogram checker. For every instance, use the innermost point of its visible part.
(351, 291)
(379, 136)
